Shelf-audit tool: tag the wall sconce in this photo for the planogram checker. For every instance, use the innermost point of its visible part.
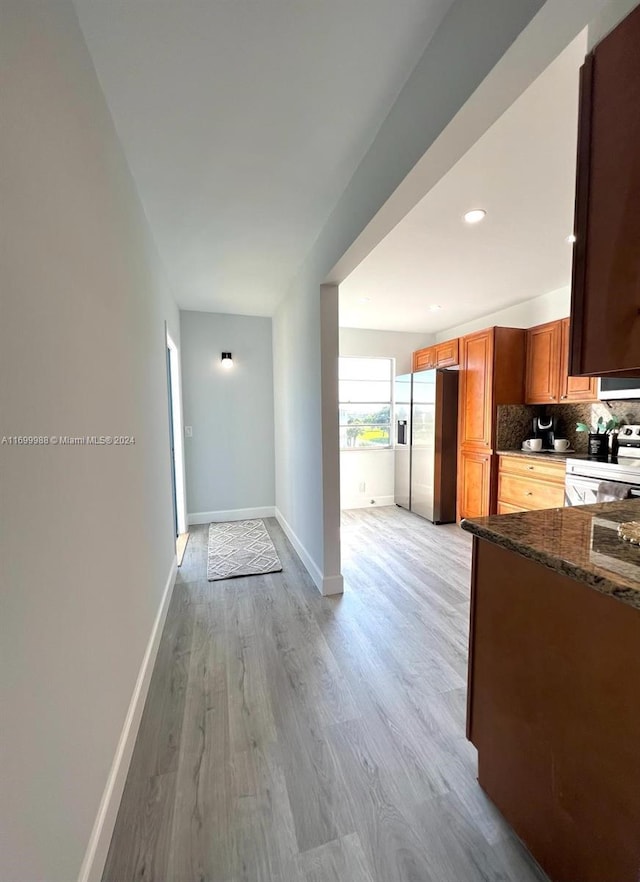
(226, 360)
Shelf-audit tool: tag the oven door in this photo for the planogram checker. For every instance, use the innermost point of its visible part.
(579, 490)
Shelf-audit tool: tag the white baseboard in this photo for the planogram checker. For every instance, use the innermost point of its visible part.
(232, 514)
(310, 565)
(98, 848)
(365, 502)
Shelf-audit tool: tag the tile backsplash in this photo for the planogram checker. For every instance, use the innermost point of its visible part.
(514, 420)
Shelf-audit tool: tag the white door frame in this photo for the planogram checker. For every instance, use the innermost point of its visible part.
(178, 434)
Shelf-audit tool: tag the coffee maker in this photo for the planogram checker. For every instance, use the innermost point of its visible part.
(546, 428)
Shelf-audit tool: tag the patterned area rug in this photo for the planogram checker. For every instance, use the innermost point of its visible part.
(240, 548)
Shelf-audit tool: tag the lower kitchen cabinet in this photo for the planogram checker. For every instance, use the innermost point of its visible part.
(474, 483)
(526, 483)
(552, 706)
(507, 508)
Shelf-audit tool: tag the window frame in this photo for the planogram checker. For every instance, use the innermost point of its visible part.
(372, 404)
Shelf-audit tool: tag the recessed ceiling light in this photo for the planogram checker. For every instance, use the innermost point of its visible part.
(475, 215)
(435, 307)
(364, 300)
(570, 239)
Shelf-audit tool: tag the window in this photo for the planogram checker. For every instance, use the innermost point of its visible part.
(365, 402)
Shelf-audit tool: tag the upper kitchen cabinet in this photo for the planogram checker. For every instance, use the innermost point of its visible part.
(424, 359)
(441, 355)
(491, 373)
(448, 353)
(543, 364)
(573, 388)
(547, 376)
(476, 381)
(605, 301)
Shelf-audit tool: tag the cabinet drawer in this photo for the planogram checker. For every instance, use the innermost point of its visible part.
(533, 467)
(528, 493)
(424, 359)
(507, 508)
(447, 354)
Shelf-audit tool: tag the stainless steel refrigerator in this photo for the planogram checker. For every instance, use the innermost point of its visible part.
(426, 443)
(402, 447)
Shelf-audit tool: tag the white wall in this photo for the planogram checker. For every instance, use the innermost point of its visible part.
(86, 538)
(607, 19)
(537, 311)
(482, 57)
(384, 344)
(366, 478)
(230, 458)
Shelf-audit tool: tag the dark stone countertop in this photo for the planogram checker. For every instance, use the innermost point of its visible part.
(581, 542)
(544, 454)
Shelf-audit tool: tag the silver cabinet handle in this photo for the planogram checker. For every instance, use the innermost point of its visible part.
(529, 493)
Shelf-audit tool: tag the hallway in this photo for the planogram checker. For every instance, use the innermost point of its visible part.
(297, 738)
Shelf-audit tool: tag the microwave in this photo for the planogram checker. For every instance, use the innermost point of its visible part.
(610, 388)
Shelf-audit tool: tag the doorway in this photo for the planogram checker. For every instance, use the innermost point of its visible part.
(176, 447)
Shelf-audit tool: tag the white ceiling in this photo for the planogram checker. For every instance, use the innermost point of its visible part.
(522, 172)
(243, 121)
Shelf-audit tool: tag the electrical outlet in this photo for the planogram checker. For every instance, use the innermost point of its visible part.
(188, 431)
(373, 502)
(362, 487)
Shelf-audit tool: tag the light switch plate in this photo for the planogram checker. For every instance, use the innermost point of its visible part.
(188, 431)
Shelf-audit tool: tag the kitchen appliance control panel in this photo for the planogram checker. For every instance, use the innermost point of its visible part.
(629, 440)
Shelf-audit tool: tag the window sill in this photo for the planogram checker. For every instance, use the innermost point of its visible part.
(365, 449)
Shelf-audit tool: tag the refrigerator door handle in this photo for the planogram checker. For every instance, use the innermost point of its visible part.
(402, 432)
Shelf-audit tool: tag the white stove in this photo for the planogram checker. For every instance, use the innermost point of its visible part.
(629, 441)
(584, 474)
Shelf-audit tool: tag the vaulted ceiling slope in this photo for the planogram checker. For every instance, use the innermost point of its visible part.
(522, 173)
(243, 121)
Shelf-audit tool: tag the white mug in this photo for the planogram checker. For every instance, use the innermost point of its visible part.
(561, 444)
(533, 443)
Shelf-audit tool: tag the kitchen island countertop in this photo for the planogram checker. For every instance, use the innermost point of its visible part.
(581, 542)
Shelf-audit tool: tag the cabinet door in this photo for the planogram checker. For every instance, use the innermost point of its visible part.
(474, 484)
(476, 387)
(605, 301)
(573, 388)
(447, 354)
(543, 364)
(424, 359)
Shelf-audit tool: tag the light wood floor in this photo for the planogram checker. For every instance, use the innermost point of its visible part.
(297, 738)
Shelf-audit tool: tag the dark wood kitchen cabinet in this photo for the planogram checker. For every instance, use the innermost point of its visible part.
(605, 299)
(552, 708)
